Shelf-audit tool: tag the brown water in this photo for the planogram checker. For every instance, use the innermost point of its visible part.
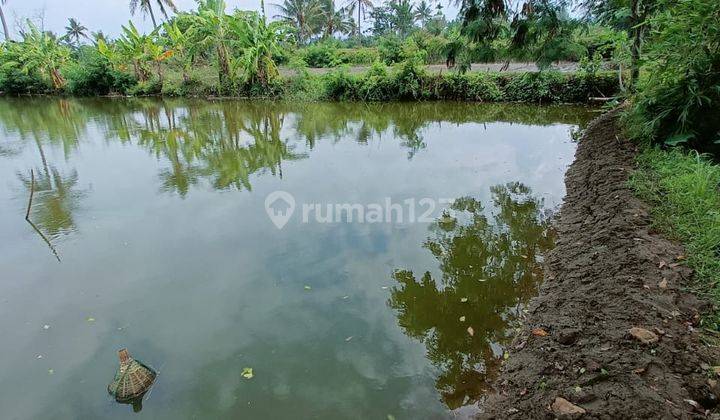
(157, 213)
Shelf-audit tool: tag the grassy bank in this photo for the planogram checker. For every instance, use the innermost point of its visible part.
(404, 81)
(682, 188)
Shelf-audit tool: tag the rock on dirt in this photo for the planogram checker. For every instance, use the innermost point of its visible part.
(596, 290)
(561, 407)
(643, 335)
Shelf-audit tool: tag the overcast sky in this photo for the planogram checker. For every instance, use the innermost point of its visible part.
(108, 15)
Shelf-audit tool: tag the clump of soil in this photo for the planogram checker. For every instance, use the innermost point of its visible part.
(611, 335)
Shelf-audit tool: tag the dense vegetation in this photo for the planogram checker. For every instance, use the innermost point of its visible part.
(664, 54)
(210, 51)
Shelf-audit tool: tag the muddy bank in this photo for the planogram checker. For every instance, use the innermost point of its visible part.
(608, 274)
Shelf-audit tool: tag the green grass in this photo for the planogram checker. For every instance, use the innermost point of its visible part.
(683, 188)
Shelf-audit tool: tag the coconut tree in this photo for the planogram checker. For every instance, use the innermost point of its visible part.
(303, 15)
(75, 31)
(403, 17)
(4, 23)
(423, 12)
(98, 36)
(362, 6)
(146, 7)
(333, 20)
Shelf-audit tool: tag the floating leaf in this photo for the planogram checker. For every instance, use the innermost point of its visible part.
(462, 318)
(471, 331)
(247, 373)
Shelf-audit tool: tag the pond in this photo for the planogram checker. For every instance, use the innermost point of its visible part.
(404, 242)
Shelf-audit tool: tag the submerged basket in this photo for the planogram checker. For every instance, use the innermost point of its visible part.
(132, 380)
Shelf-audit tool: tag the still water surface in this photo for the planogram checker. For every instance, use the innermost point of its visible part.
(156, 210)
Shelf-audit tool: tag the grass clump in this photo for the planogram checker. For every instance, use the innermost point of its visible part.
(683, 189)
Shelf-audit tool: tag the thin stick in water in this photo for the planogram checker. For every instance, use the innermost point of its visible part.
(27, 216)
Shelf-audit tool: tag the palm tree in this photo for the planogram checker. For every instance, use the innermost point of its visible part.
(362, 7)
(333, 21)
(4, 23)
(146, 7)
(403, 17)
(303, 15)
(75, 30)
(423, 12)
(99, 36)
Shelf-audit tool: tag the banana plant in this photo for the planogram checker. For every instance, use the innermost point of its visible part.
(131, 46)
(259, 41)
(209, 30)
(157, 54)
(40, 51)
(179, 43)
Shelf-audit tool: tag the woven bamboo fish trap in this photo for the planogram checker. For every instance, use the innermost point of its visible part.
(132, 380)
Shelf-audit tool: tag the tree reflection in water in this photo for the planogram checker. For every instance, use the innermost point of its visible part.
(55, 199)
(491, 267)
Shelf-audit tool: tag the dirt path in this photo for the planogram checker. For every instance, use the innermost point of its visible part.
(606, 276)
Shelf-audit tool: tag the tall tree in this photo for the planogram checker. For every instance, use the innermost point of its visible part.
(146, 7)
(303, 15)
(4, 23)
(403, 17)
(626, 15)
(362, 7)
(423, 12)
(75, 31)
(333, 20)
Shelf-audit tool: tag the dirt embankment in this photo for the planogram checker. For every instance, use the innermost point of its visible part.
(609, 273)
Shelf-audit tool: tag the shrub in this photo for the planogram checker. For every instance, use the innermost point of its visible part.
(322, 54)
(358, 56)
(149, 87)
(340, 85)
(390, 49)
(409, 80)
(17, 82)
(193, 86)
(680, 99)
(90, 75)
(376, 84)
